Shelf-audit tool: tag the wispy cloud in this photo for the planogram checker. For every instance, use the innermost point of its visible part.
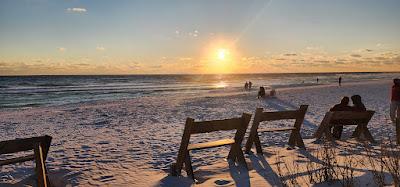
(62, 49)
(76, 10)
(355, 55)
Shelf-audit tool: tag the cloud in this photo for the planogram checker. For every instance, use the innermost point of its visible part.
(185, 59)
(100, 48)
(62, 49)
(355, 55)
(76, 10)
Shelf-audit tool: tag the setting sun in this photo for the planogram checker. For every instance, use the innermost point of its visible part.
(222, 53)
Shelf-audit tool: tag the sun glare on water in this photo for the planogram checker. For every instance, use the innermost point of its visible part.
(221, 84)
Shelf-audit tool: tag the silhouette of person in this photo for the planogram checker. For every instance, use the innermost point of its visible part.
(357, 103)
(246, 86)
(272, 93)
(250, 84)
(261, 92)
(395, 100)
(342, 106)
(340, 81)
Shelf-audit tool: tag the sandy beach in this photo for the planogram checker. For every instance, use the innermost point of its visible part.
(133, 142)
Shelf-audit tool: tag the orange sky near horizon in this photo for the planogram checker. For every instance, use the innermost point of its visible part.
(198, 37)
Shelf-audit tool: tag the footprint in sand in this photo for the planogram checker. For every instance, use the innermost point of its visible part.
(222, 182)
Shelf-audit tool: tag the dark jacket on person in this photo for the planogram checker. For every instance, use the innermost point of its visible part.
(341, 107)
(395, 93)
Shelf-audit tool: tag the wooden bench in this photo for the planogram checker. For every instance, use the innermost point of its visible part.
(39, 145)
(260, 116)
(192, 127)
(342, 118)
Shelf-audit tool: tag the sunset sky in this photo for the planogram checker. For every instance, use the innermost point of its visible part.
(203, 36)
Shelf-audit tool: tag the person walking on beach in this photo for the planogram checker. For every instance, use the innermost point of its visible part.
(340, 81)
(261, 92)
(246, 86)
(342, 106)
(395, 100)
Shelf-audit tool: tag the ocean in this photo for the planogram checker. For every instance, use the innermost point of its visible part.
(33, 91)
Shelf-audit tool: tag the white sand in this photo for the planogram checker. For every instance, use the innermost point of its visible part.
(133, 142)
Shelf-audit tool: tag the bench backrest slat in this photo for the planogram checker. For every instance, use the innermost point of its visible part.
(26, 144)
(351, 115)
(216, 125)
(281, 115)
(298, 115)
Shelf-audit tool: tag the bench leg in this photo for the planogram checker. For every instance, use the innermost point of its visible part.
(188, 165)
(299, 140)
(240, 156)
(328, 134)
(292, 138)
(41, 171)
(357, 132)
(368, 134)
(232, 153)
(258, 145)
(249, 143)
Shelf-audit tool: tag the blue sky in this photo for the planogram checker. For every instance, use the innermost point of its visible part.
(160, 36)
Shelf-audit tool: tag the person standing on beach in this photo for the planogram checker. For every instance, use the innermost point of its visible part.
(261, 92)
(342, 106)
(340, 81)
(395, 100)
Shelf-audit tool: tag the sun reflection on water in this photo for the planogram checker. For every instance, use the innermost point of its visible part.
(221, 84)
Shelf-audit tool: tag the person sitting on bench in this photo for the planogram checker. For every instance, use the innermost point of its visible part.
(342, 106)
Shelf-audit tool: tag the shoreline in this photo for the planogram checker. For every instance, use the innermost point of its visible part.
(234, 91)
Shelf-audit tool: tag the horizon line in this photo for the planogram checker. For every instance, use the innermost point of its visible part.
(333, 72)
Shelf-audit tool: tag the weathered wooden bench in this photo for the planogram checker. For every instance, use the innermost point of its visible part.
(260, 116)
(343, 118)
(39, 145)
(192, 127)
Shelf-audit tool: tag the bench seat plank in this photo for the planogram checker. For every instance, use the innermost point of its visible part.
(211, 144)
(276, 129)
(17, 160)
